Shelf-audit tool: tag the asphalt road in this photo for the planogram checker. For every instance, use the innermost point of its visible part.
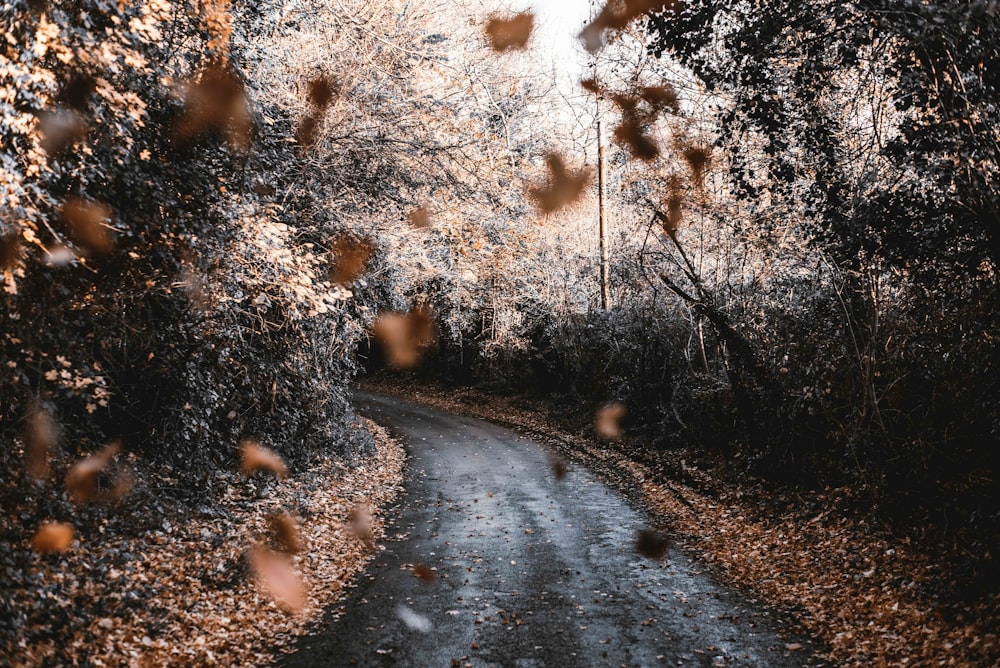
(529, 570)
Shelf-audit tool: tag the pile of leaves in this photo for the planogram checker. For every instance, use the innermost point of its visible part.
(874, 597)
(168, 577)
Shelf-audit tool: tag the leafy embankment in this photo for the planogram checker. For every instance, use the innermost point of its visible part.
(873, 596)
(165, 578)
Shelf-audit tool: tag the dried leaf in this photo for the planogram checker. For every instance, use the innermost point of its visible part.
(286, 531)
(617, 14)
(307, 131)
(660, 98)
(404, 338)
(564, 187)
(82, 478)
(255, 457)
(630, 133)
(351, 257)
(424, 572)
(60, 129)
(86, 223)
(672, 221)
(697, 159)
(321, 91)
(651, 544)
(40, 434)
(592, 85)
(608, 420)
(420, 218)
(10, 250)
(510, 34)
(559, 468)
(52, 537)
(276, 576)
(360, 519)
(216, 101)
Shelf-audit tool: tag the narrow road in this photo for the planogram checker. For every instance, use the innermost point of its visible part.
(530, 570)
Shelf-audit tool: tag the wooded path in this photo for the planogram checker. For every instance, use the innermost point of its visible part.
(531, 570)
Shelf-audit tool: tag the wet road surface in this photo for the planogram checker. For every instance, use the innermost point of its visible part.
(530, 570)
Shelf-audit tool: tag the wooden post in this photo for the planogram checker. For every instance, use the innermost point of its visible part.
(602, 215)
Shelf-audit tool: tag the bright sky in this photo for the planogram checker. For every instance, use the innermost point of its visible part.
(557, 24)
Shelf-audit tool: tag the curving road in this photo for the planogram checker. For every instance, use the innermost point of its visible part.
(530, 570)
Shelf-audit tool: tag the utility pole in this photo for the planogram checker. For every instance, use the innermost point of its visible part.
(602, 179)
(602, 216)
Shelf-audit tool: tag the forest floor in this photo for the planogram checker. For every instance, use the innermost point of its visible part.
(875, 597)
(164, 578)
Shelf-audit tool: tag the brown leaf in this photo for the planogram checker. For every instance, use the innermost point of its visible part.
(404, 338)
(617, 14)
(697, 159)
(60, 129)
(592, 85)
(40, 434)
(82, 478)
(215, 101)
(660, 98)
(608, 420)
(321, 91)
(360, 518)
(630, 133)
(86, 223)
(307, 131)
(424, 572)
(10, 250)
(564, 187)
(672, 221)
(420, 218)
(651, 544)
(559, 468)
(351, 257)
(52, 537)
(255, 457)
(276, 576)
(510, 34)
(286, 531)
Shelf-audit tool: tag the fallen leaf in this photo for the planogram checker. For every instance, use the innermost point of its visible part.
(424, 572)
(215, 101)
(276, 576)
(82, 478)
(86, 222)
(286, 531)
(564, 187)
(40, 434)
(52, 537)
(651, 544)
(10, 250)
(360, 518)
(510, 34)
(350, 258)
(405, 337)
(420, 218)
(608, 420)
(616, 14)
(255, 457)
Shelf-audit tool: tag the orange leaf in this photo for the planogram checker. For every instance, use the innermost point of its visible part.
(52, 537)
